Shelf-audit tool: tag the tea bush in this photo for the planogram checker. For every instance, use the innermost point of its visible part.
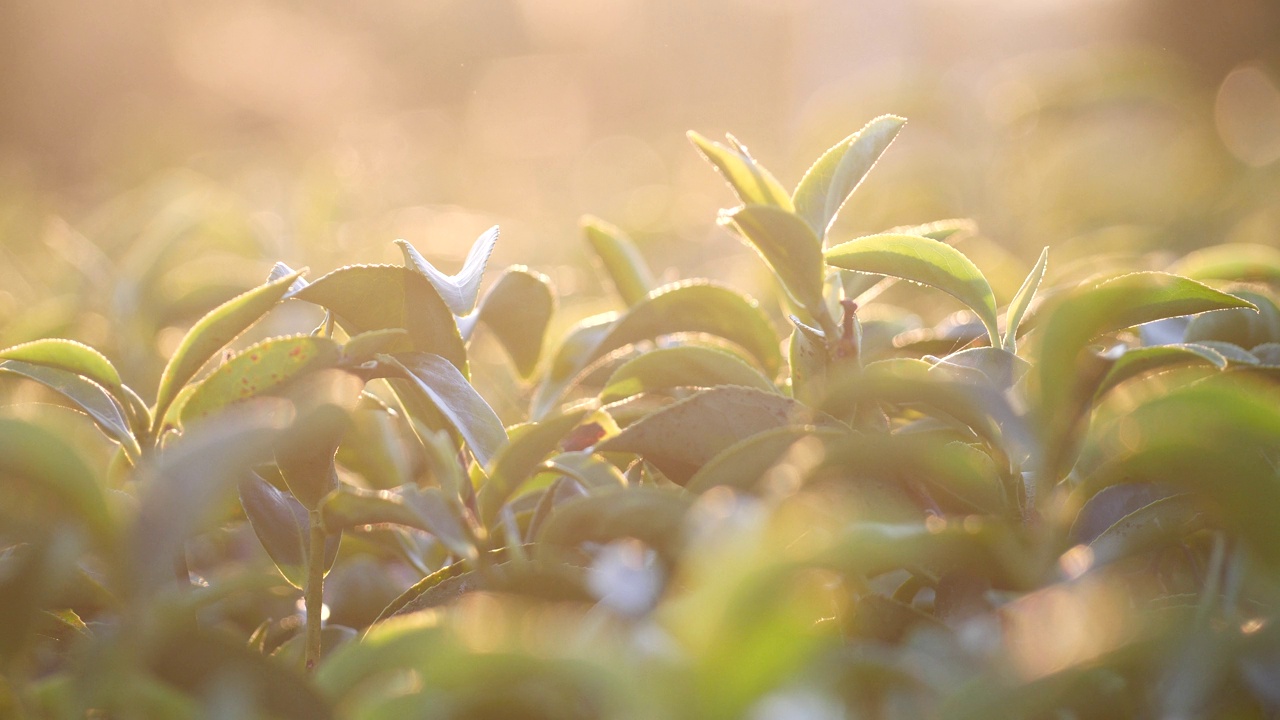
(1062, 507)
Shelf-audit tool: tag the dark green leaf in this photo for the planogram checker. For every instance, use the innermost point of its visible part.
(426, 509)
(459, 291)
(622, 262)
(211, 333)
(832, 179)
(283, 527)
(1162, 521)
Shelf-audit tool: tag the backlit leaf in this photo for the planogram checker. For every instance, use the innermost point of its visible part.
(528, 447)
(1244, 262)
(211, 333)
(86, 395)
(832, 179)
(518, 309)
(1022, 300)
(622, 262)
(426, 509)
(257, 370)
(459, 291)
(1142, 360)
(440, 383)
(681, 366)
(655, 516)
(376, 297)
(694, 307)
(35, 461)
(924, 261)
(682, 437)
(753, 184)
(745, 462)
(788, 246)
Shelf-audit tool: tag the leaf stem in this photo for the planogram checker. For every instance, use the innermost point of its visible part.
(313, 595)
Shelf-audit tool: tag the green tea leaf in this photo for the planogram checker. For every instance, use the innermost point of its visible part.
(305, 453)
(518, 309)
(1143, 360)
(34, 461)
(188, 488)
(86, 395)
(426, 509)
(1022, 300)
(1063, 388)
(1243, 327)
(681, 366)
(1219, 439)
(365, 346)
(206, 662)
(258, 370)
(1163, 521)
(459, 291)
(743, 464)
(70, 356)
(837, 173)
(1241, 262)
(692, 307)
(211, 333)
(622, 262)
(283, 527)
(924, 261)
(441, 384)
(788, 246)
(529, 445)
(682, 437)
(653, 515)
(376, 297)
(750, 181)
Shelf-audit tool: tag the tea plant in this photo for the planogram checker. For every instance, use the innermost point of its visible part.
(1062, 507)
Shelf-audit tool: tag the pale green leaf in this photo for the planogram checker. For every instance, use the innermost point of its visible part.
(1022, 300)
(459, 291)
(622, 262)
(837, 173)
(753, 184)
(441, 384)
(788, 246)
(924, 261)
(681, 366)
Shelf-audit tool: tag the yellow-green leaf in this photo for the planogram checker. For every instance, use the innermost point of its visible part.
(924, 261)
(622, 262)
(837, 173)
(211, 333)
(682, 366)
(750, 181)
(788, 246)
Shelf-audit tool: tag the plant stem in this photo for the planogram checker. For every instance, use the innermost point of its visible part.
(313, 596)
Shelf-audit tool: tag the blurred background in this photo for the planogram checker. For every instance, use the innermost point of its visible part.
(148, 147)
